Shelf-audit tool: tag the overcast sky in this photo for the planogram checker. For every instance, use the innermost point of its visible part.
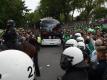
(32, 4)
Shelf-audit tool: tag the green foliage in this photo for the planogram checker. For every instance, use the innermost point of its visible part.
(33, 17)
(50, 8)
(59, 9)
(92, 7)
(104, 28)
(100, 12)
(11, 9)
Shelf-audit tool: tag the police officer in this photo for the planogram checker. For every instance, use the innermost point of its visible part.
(74, 65)
(81, 45)
(10, 35)
(16, 65)
(39, 40)
(70, 42)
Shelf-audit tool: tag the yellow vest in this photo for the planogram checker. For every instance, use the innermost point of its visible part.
(39, 39)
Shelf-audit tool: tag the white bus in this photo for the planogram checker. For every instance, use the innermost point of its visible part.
(50, 31)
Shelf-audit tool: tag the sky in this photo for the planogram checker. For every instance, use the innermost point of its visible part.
(33, 4)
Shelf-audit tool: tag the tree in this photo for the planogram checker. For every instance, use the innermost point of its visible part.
(32, 18)
(50, 8)
(90, 6)
(100, 12)
(12, 9)
(62, 8)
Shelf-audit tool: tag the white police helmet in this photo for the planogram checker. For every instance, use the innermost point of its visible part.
(81, 45)
(15, 65)
(71, 42)
(80, 39)
(75, 53)
(78, 34)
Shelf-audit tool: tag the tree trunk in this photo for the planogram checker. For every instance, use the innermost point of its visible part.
(66, 17)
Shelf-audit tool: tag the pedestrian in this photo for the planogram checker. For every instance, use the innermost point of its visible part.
(98, 68)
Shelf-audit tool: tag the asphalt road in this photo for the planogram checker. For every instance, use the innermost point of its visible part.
(49, 63)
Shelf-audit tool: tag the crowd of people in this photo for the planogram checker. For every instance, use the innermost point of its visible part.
(17, 40)
(84, 54)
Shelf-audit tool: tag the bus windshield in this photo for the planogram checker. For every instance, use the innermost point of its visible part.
(50, 28)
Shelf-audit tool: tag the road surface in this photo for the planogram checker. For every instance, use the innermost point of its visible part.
(49, 60)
